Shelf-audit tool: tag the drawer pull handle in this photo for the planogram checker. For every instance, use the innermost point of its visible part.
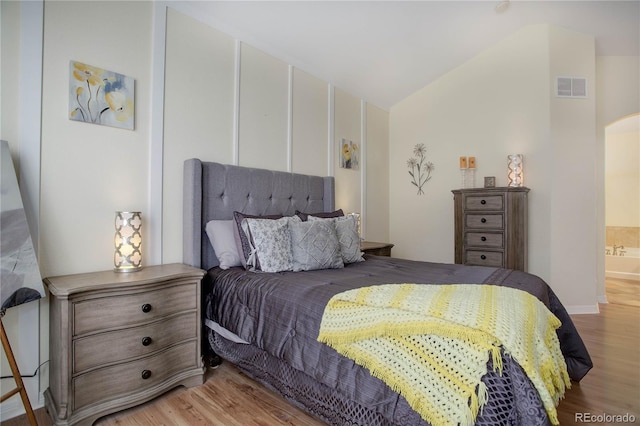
(146, 341)
(146, 308)
(483, 238)
(483, 257)
(483, 220)
(483, 202)
(146, 374)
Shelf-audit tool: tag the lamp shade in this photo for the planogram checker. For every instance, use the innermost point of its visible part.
(356, 216)
(515, 170)
(128, 242)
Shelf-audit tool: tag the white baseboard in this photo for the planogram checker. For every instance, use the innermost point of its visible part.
(583, 309)
(622, 275)
(603, 299)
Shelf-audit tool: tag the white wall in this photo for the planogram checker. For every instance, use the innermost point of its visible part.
(310, 125)
(573, 250)
(255, 110)
(376, 152)
(498, 103)
(622, 176)
(10, 76)
(492, 106)
(90, 171)
(198, 112)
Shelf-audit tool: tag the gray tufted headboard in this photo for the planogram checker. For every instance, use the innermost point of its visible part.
(215, 191)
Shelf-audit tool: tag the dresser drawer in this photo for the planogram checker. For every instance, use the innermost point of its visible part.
(484, 239)
(107, 348)
(484, 202)
(484, 258)
(120, 380)
(100, 313)
(484, 221)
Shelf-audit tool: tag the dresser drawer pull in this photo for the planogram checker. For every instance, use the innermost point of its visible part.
(483, 238)
(483, 202)
(146, 341)
(483, 257)
(146, 308)
(483, 220)
(146, 374)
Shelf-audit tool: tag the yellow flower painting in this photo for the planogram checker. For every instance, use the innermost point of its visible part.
(349, 154)
(100, 97)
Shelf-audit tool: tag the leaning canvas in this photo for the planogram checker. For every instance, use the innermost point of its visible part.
(20, 279)
(100, 97)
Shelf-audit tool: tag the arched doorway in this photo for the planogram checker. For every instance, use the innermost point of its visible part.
(622, 210)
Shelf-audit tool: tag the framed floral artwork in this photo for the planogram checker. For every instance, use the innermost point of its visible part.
(349, 153)
(99, 96)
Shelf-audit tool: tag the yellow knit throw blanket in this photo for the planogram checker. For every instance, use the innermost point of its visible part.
(431, 343)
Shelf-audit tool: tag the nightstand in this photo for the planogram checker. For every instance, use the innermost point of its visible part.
(491, 227)
(120, 339)
(377, 249)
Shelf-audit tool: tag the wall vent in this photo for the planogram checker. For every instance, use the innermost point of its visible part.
(571, 87)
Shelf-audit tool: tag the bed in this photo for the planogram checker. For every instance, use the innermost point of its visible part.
(267, 323)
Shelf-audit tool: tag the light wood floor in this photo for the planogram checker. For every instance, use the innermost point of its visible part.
(228, 397)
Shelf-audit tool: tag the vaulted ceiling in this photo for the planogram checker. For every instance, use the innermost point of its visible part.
(384, 51)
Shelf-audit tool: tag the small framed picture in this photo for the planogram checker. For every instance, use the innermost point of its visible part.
(489, 181)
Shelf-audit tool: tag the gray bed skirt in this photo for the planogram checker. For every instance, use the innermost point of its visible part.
(334, 408)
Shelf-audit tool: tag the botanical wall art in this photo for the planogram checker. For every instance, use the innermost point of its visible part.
(419, 168)
(349, 154)
(100, 97)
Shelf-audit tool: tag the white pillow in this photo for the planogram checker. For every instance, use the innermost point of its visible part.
(347, 231)
(222, 239)
(271, 244)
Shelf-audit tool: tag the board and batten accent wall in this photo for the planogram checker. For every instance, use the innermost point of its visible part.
(230, 102)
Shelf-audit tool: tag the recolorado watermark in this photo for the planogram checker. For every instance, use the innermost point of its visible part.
(604, 418)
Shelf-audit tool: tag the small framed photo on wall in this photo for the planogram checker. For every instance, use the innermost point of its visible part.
(489, 181)
(349, 154)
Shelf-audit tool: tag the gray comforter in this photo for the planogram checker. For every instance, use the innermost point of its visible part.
(279, 314)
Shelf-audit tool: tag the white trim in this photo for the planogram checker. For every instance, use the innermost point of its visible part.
(363, 168)
(290, 121)
(331, 130)
(622, 275)
(582, 309)
(156, 134)
(32, 27)
(236, 103)
(603, 299)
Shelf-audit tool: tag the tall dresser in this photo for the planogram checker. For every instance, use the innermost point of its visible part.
(120, 339)
(491, 227)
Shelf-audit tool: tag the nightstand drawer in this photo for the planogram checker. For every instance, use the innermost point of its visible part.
(484, 258)
(485, 239)
(485, 221)
(484, 202)
(98, 314)
(109, 383)
(108, 348)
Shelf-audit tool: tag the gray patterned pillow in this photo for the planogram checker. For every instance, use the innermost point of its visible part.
(314, 245)
(347, 231)
(271, 243)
